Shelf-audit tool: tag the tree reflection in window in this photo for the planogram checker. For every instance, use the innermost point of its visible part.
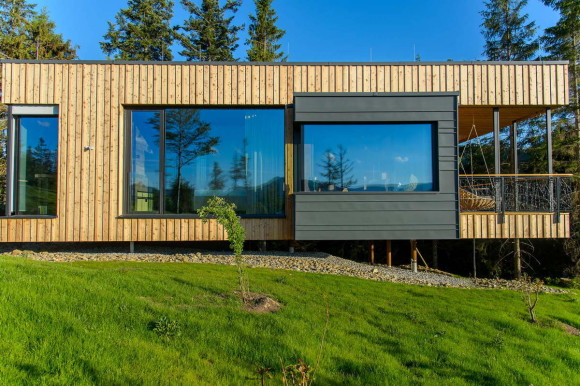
(36, 165)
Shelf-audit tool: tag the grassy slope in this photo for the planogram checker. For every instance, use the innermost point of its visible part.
(88, 322)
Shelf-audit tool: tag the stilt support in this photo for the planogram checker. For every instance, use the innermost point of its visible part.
(372, 253)
(414, 255)
(131, 247)
(263, 246)
(435, 261)
(389, 254)
(291, 246)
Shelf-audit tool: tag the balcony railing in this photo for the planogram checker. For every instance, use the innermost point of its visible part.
(500, 193)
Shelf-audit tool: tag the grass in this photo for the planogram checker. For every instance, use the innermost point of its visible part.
(87, 323)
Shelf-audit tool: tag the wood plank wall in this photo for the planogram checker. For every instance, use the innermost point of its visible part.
(91, 98)
(516, 225)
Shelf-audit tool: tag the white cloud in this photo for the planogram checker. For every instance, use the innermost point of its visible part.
(401, 159)
(42, 123)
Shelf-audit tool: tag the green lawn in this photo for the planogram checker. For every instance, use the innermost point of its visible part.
(86, 323)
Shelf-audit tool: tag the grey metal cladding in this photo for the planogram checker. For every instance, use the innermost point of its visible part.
(389, 215)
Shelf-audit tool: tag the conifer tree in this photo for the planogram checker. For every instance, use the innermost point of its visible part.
(14, 18)
(264, 34)
(209, 34)
(44, 43)
(508, 34)
(217, 181)
(142, 31)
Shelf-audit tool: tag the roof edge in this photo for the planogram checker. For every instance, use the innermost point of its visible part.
(120, 62)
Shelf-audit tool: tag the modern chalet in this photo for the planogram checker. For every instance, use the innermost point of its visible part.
(128, 151)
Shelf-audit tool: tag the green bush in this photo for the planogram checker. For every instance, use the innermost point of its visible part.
(225, 214)
(166, 328)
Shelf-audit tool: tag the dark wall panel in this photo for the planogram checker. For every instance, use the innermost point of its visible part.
(389, 215)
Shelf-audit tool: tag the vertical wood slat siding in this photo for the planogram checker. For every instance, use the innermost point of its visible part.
(516, 225)
(91, 99)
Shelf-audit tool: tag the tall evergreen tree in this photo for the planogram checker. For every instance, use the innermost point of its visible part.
(217, 181)
(44, 43)
(562, 42)
(507, 32)
(142, 31)
(14, 18)
(209, 34)
(264, 34)
(344, 168)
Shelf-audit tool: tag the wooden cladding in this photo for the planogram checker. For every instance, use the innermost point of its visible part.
(515, 225)
(91, 99)
(479, 84)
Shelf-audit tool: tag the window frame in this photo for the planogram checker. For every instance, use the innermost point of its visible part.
(300, 164)
(15, 112)
(128, 214)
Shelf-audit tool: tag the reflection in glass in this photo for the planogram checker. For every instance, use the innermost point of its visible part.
(36, 164)
(145, 156)
(368, 157)
(236, 153)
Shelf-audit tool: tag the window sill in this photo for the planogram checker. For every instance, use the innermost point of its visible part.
(22, 216)
(189, 216)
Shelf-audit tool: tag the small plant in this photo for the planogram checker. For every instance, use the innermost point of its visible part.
(166, 328)
(298, 374)
(263, 373)
(531, 290)
(225, 214)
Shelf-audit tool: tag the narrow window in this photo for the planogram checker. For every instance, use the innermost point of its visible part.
(35, 165)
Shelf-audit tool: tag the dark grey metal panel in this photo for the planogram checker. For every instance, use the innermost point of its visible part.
(388, 215)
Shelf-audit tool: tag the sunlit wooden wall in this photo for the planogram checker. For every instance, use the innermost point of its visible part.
(92, 96)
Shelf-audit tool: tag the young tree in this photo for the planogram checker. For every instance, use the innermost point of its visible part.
(209, 34)
(264, 34)
(142, 31)
(344, 168)
(508, 34)
(217, 181)
(186, 138)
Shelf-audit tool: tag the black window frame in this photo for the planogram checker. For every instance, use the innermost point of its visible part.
(128, 214)
(13, 166)
(300, 165)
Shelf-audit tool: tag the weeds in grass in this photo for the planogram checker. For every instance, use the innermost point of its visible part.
(301, 373)
(166, 328)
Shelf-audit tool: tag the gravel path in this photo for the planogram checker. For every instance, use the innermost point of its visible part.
(303, 262)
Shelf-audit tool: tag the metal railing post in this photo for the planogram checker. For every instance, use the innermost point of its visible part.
(558, 191)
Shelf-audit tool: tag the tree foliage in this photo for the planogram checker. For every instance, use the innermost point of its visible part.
(142, 31)
(27, 34)
(264, 34)
(508, 34)
(209, 33)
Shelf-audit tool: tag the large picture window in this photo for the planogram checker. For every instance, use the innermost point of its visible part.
(35, 165)
(180, 157)
(368, 157)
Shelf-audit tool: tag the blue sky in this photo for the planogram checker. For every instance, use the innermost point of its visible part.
(327, 30)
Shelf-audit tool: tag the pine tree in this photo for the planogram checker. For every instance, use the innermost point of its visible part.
(26, 34)
(217, 181)
(209, 34)
(142, 31)
(264, 34)
(562, 42)
(329, 168)
(508, 34)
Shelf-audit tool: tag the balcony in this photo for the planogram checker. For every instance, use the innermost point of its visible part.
(515, 205)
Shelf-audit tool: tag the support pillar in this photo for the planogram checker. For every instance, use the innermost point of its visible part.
(414, 256)
(515, 162)
(550, 157)
(262, 246)
(131, 247)
(474, 261)
(291, 245)
(389, 254)
(435, 261)
(372, 253)
(497, 165)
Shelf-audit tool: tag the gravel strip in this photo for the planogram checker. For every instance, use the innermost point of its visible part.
(302, 262)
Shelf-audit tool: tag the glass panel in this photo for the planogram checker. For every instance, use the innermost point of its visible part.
(368, 157)
(36, 164)
(145, 157)
(237, 154)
